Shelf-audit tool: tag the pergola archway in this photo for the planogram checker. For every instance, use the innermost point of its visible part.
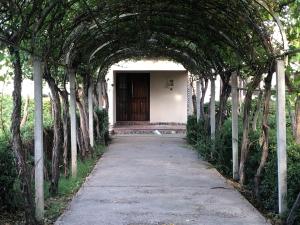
(195, 34)
(206, 37)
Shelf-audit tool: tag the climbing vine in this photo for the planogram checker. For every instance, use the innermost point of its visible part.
(208, 38)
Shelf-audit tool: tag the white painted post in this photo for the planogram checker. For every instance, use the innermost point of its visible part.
(213, 110)
(198, 99)
(100, 100)
(72, 112)
(281, 136)
(221, 87)
(91, 114)
(240, 92)
(189, 96)
(38, 140)
(235, 127)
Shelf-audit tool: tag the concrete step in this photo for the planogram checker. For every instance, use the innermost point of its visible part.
(122, 131)
(145, 123)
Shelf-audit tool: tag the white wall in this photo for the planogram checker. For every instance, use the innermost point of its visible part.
(169, 106)
(165, 105)
(146, 65)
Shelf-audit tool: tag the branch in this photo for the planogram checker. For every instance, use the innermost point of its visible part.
(289, 52)
(44, 15)
(291, 218)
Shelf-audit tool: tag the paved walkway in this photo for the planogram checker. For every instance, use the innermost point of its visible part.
(156, 181)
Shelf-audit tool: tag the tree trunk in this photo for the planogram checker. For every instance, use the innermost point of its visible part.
(204, 86)
(51, 108)
(226, 90)
(297, 120)
(98, 94)
(80, 143)
(257, 110)
(105, 95)
(265, 132)
(194, 101)
(25, 112)
(194, 96)
(97, 126)
(83, 125)
(85, 94)
(23, 170)
(292, 117)
(57, 133)
(86, 84)
(97, 102)
(246, 124)
(66, 129)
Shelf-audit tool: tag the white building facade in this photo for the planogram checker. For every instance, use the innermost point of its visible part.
(149, 91)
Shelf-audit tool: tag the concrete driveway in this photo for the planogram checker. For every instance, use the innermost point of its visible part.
(154, 181)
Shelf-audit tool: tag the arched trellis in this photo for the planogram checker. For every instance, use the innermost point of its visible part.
(194, 33)
(180, 35)
(111, 50)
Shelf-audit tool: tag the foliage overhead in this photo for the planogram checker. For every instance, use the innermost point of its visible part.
(205, 36)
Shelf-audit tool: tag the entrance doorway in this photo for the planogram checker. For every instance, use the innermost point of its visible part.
(133, 96)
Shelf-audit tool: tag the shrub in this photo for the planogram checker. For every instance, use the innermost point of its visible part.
(8, 177)
(192, 130)
(10, 193)
(103, 123)
(219, 153)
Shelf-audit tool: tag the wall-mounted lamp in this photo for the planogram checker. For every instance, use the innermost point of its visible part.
(171, 84)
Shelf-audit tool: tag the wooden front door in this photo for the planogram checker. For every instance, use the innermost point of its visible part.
(133, 96)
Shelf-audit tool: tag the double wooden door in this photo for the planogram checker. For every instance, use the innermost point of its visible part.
(133, 96)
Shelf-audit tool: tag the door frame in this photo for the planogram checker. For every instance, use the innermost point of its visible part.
(128, 73)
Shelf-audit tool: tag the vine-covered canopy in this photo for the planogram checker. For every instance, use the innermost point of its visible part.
(80, 39)
(205, 36)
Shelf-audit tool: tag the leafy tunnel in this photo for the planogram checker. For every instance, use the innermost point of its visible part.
(86, 37)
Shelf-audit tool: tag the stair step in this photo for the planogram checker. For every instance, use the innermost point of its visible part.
(148, 131)
(146, 123)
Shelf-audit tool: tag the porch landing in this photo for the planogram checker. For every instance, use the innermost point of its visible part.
(148, 128)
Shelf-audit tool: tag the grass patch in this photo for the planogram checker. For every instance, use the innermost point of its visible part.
(54, 206)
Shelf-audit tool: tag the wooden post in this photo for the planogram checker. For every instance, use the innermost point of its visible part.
(198, 99)
(91, 114)
(38, 140)
(235, 132)
(73, 123)
(281, 136)
(213, 110)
